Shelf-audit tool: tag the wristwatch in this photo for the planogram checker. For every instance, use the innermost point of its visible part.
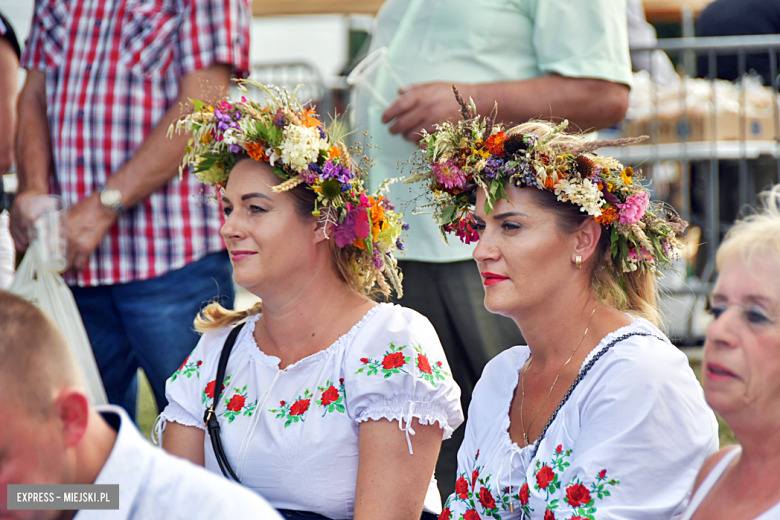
(111, 198)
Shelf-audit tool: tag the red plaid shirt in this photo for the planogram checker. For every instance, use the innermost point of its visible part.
(113, 68)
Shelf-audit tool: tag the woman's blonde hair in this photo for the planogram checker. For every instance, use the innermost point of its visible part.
(635, 292)
(756, 234)
(346, 261)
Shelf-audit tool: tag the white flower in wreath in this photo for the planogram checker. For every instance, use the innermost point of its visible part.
(584, 194)
(300, 147)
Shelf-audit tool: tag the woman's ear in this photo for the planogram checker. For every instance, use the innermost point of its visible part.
(586, 239)
(324, 226)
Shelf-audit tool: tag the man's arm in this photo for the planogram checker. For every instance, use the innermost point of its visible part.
(9, 67)
(33, 150)
(155, 162)
(589, 104)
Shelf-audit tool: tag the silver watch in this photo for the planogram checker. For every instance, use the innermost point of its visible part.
(111, 198)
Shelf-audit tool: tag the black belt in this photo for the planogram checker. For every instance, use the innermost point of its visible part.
(303, 515)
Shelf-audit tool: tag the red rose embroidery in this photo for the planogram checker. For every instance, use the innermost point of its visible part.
(576, 518)
(299, 407)
(200, 363)
(446, 514)
(364, 360)
(422, 364)
(281, 403)
(524, 494)
(486, 498)
(438, 363)
(471, 514)
(559, 449)
(341, 381)
(236, 403)
(577, 495)
(544, 476)
(474, 475)
(462, 488)
(548, 515)
(185, 362)
(330, 395)
(603, 473)
(210, 389)
(394, 360)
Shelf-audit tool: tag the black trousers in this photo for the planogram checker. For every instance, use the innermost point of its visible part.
(452, 296)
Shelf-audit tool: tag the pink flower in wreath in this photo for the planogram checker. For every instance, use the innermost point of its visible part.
(544, 476)
(330, 395)
(236, 403)
(299, 407)
(634, 208)
(423, 364)
(449, 174)
(394, 360)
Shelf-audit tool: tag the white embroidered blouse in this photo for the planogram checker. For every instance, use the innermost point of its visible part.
(292, 434)
(626, 444)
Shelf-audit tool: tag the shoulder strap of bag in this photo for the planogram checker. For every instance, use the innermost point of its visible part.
(210, 417)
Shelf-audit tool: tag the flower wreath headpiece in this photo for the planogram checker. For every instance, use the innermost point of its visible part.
(475, 153)
(300, 150)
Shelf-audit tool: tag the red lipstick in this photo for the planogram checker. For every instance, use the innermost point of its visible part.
(492, 278)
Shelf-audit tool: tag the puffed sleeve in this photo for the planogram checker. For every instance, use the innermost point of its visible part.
(396, 369)
(187, 389)
(644, 432)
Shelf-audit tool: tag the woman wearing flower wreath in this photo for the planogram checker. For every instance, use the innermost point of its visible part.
(599, 417)
(326, 393)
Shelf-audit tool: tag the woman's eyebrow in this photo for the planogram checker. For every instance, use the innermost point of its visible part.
(254, 195)
(508, 214)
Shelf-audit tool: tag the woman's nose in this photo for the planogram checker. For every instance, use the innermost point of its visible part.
(722, 330)
(485, 251)
(230, 229)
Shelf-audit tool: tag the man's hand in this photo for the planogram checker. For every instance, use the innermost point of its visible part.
(423, 105)
(19, 222)
(87, 222)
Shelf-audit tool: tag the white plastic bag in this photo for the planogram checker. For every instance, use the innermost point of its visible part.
(47, 290)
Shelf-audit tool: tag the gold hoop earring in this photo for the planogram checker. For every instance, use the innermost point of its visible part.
(578, 261)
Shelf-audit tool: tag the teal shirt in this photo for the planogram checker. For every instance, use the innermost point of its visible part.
(477, 41)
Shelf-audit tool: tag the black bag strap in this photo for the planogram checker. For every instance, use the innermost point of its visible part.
(210, 417)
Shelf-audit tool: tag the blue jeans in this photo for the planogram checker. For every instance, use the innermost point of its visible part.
(148, 324)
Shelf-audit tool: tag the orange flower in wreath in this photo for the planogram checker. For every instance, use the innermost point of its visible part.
(255, 151)
(608, 216)
(495, 144)
(308, 120)
(333, 151)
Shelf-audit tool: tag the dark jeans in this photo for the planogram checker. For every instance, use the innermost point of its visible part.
(452, 297)
(148, 324)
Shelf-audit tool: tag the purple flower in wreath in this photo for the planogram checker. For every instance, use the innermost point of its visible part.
(336, 171)
(379, 263)
(493, 167)
(355, 225)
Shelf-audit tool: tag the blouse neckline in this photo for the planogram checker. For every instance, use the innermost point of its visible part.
(525, 451)
(274, 361)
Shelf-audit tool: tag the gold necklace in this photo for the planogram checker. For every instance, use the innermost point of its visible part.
(522, 381)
